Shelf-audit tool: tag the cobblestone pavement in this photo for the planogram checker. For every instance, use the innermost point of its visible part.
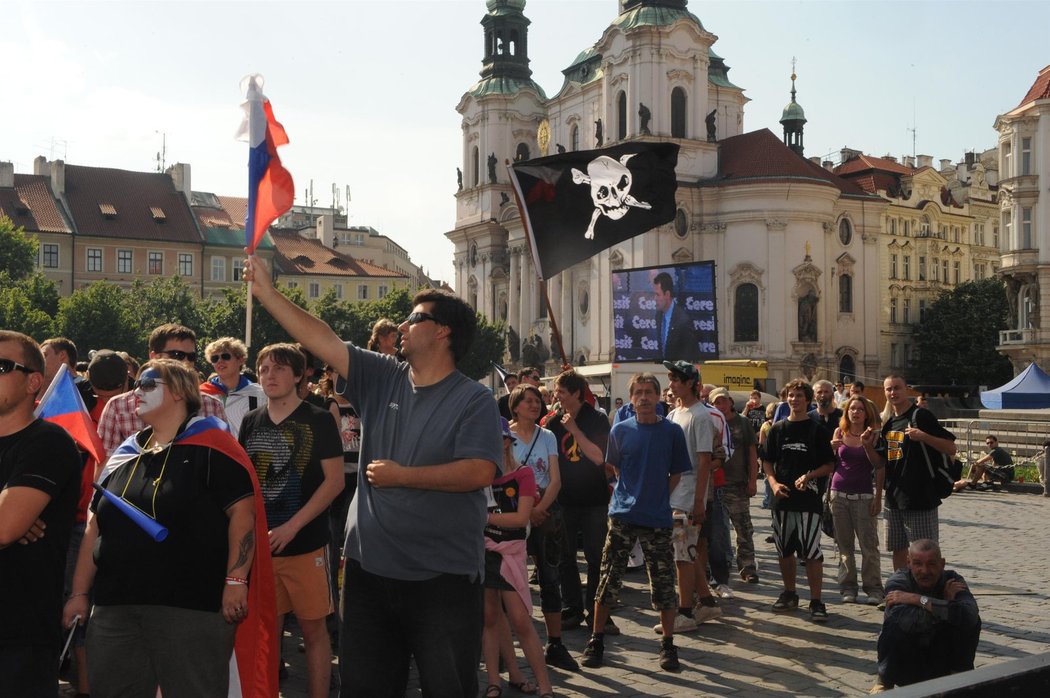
(995, 540)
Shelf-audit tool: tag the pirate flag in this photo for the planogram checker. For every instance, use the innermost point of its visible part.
(577, 204)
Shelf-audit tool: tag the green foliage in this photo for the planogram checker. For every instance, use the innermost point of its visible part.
(957, 340)
(489, 344)
(96, 317)
(28, 305)
(224, 317)
(161, 301)
(18, 251)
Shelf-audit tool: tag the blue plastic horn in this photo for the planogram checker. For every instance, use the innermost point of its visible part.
(153, 529)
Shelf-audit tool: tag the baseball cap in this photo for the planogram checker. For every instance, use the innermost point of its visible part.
(107, 370)
(683, 368)
(717, 393)
(505, 428)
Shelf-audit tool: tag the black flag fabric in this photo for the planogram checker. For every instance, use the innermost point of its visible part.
(577, 204)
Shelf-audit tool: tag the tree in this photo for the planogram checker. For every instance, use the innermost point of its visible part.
(96, 317)
(489, 344)
(18, 251)
(956, 341)
(19, 312)
(162, 301)
(224, 317)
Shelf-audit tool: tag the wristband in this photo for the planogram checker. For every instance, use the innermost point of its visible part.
(235, 581)
(82, 593)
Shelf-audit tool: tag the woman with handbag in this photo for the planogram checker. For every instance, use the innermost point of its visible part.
(855, 505)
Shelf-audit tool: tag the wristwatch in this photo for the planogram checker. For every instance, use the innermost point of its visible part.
(924, 601)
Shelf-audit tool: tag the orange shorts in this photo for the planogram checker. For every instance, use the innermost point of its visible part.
(303, 584)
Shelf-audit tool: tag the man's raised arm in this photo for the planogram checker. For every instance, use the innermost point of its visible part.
(313, 333)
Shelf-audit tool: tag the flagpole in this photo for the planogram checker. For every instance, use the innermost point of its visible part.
(248, 317)
(556, 333)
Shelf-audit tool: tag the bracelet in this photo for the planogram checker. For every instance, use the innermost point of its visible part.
(82, 593)
(232, 581)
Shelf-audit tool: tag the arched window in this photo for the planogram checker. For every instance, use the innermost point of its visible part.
(621, 116)
(574, 138)
(847, 369)
(745, 313)
(522, 153)
(476, 176)
(678, 112)
(845, 293)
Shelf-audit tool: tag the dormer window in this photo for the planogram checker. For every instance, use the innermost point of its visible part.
(158, 214)
(108, 211)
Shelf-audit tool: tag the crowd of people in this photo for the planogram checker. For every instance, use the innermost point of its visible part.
(225, 503)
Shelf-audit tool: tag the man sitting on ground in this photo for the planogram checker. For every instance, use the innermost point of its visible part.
(931, 627)
(1002, 468)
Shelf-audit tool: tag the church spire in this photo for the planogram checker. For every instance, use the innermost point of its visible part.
(506, 40)
(793, 119)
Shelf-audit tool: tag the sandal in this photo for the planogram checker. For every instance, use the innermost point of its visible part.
(493, 690)
(527, 687)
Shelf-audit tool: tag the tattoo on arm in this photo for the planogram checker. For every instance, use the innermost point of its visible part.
(247, 546)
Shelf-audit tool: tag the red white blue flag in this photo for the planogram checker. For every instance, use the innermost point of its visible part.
(271, 190)
(63, 405)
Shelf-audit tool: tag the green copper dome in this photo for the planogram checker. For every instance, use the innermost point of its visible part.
(501, 6)
(793, 112)
(653, 16)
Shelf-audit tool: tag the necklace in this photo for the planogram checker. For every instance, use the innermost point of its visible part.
(156, 481)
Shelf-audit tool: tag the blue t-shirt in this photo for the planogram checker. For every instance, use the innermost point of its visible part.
(646, 455)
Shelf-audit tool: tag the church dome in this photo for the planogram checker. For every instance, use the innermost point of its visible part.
(497, 6)
(793, 112)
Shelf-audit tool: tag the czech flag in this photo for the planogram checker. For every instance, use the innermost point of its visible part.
(271, 190)
(62, 405)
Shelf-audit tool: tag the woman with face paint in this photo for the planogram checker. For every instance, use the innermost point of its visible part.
(166, 613)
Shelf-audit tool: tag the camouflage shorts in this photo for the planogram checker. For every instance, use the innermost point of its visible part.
(659, 562)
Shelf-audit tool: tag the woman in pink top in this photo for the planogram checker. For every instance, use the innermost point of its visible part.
(855, 506)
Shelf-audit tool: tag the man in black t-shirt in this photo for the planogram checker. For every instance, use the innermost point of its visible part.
(913, 442)
(39, 487)
(1002, 466)
(798, 455)
(582, 435)
(298, 457)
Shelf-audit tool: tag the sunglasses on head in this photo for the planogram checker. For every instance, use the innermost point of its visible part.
(416, 318)
(224, 356)
(180, 355)
(148, 383)
(7, 365)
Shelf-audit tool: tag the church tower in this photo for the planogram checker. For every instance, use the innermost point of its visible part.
(793, 119)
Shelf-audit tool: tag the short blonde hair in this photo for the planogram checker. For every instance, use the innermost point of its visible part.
(230, 344)
(179, 379)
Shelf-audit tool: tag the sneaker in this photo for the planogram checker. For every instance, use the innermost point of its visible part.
(571, 618)
(818, 612)
(723, 591)
(702, 613)
(881, 605)
(682, 624)
(669, 658)
(593, 653)
(876, 599)
(749, 576)
(877, 687)
(558, 656)
(849, 598)
(787, 601)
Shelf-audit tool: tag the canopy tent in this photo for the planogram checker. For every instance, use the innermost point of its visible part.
(1029, 390)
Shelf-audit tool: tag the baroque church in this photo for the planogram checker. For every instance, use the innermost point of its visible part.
(792, 242)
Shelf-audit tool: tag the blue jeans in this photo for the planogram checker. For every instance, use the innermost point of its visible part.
(590, 522)
(719, 548)
(386, 622)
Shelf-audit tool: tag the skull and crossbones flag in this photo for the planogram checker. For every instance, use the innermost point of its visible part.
(577, 204)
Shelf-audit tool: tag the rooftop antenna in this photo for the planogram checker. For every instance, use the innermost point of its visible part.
(163, 152)
(913, 128)
(63, 142)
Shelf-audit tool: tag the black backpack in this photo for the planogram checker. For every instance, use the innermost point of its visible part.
(944, 470)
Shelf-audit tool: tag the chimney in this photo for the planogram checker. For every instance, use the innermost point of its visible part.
(326, 230)
(58, 177)
(891, 158)
(848, 154)
(180, 177)
(815, 160)
(7, 175)
(909, 161)
(40, 166)
(970, 158)
(828, 165)
(924, 160)
(962, 173)
(946, 164)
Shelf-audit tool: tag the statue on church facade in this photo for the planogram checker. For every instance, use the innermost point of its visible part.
(599, 137)
(492, 168)
(710, 121)
(459, 179)
(644, 115)
(807, 317)
(560, 147)
(513, 344)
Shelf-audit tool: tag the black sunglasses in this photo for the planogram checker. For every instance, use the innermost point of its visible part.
(7, 365)
(180, 355)
(416, 318)
(216, 358)
(147, 384)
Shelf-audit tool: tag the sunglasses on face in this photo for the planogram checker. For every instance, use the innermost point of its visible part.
(224, 356)
(416, 318)
(148, 384)
(180, 355)
(7, 365)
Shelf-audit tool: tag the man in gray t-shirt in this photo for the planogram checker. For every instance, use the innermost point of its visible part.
(414, 546)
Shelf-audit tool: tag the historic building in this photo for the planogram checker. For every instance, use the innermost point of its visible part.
(795, 246)
(1024, 208)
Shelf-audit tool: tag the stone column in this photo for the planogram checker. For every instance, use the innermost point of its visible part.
(512, 290)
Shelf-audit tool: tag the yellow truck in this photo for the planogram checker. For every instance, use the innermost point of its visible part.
(610, 380)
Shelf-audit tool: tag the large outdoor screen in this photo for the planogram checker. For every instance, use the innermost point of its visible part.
(665, 313)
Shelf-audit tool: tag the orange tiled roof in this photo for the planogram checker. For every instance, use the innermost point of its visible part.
(1040, 89)
(864, 163)
(131, 195)
(761, 156)
(299, 255)
(236, 208)
(30, 204)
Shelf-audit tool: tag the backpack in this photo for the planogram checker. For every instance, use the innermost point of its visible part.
(944, 470)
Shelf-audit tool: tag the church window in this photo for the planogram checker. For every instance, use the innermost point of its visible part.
(847, 369)
(678, 112)
(574, 138)
(745, 313)
(845, 293)
(476, 167)
(621, 116)
(845, 231)
(522, 153)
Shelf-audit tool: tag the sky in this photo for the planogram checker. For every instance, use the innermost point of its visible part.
(367, 89)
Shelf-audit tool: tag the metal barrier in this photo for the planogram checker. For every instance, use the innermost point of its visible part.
(1022, 438)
